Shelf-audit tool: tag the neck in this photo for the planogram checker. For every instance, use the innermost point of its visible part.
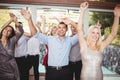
(92, 45)
(3, 39)
(61, 38)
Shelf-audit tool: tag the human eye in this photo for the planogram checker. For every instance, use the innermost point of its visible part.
(9, 30)
(97, 32)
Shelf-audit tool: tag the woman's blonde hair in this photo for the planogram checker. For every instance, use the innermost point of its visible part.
(98, 43)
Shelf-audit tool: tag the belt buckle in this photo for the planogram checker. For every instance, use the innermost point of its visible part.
(58, 67)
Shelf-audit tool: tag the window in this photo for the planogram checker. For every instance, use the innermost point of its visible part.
(106, 18)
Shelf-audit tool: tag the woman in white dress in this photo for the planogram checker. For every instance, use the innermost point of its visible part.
(92, 46)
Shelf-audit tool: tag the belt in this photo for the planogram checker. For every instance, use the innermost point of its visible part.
(75, 62)
(21, 57)
(33, 55)
(58, 67)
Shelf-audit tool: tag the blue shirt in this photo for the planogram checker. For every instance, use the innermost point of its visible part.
(58, 51)
(21, 48)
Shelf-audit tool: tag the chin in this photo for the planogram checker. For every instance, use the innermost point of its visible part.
(94, 40)
(61, 34)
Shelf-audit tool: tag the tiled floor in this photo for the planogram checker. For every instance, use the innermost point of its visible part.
(108, 75)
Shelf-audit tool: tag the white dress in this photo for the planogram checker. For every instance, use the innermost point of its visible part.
(92, 62)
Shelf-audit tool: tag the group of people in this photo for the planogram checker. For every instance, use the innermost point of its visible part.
(68, 56)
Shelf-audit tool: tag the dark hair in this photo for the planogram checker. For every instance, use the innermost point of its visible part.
(63, 23)
(20, 23)
(12, 33)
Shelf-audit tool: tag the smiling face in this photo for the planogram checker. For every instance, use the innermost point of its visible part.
(7, 32)
(94, 34)
(74, 30)
(62, 29)
(54, 31)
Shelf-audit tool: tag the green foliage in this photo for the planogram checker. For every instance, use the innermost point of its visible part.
(4, 16)
(106, 18)
(116, 41)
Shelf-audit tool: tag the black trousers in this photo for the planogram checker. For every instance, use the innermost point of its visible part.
(34, 62)
(23, 66)
(75, 70)
(62, 73)
(25, 63)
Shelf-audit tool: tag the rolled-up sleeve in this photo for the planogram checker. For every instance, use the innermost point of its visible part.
(74, 39)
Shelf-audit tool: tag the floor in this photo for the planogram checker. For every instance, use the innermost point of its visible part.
(105, 78)
(108, 75)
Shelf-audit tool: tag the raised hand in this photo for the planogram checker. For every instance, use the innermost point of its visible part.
(26, 14)
(38, 24)
(43, 18)
(13, 17)
(84, 6)
(117, 11)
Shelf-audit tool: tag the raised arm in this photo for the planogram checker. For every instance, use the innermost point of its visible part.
(44, 31)
(79, 28)
(38, 25)
(26, 14)
(10, 20)
(114, 30)
(69, 21)
(19, 29)
(27, 34)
